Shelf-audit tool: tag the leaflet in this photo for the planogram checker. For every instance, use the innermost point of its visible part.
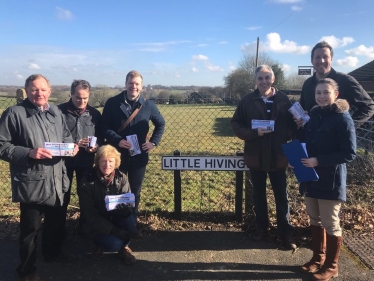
(60, 149)
(135, 148)
(266, 124)
(298, 112)
(111, 201)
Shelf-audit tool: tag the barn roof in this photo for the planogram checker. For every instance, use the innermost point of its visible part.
(364, 73)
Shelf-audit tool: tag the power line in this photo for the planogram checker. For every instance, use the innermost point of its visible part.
(289, 16)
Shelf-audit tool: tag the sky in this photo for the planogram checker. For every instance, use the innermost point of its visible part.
(174, 42)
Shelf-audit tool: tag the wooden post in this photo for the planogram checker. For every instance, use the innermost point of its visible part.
(177, 191)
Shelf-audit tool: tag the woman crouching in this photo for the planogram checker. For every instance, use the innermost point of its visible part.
(109, 231)
(331, 142)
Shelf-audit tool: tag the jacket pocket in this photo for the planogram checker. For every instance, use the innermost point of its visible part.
(30, 187)
(327, 177)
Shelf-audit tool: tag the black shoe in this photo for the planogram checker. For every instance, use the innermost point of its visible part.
(62, 258)
(258, 235)
(289, 243)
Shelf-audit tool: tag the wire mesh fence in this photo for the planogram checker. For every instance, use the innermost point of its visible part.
(193, 129)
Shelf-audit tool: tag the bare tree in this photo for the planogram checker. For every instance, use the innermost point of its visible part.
(295, 81)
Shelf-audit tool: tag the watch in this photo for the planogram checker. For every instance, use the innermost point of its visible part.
(154, 144)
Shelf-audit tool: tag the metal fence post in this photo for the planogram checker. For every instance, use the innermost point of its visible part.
(239, 193)
(177, 191)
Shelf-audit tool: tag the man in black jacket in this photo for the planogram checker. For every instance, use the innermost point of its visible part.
(349, 88)
(83, 121)
(116, 111)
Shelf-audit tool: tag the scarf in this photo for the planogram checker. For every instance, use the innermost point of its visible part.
(105, 180)
(75, 111)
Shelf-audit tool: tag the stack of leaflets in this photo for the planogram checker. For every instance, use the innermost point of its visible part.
(135, 148)
(60, 149)
(111, 201)
(266, 124)
(298, 112)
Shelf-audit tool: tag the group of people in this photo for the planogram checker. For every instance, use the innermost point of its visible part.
(330, 140)
(42, 182)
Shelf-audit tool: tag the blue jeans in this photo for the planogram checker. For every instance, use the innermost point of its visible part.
(279, 186)
(110, 243)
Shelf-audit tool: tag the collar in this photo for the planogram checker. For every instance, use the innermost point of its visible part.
(33, 109)
(140, 99)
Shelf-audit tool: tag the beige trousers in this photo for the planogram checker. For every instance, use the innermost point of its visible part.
(324, 213)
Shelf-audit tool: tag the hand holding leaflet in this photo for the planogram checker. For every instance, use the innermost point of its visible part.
(294, 152)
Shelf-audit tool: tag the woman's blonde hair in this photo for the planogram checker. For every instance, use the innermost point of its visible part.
(110, 152)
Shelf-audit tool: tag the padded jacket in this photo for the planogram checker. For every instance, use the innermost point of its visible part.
(96, 219)
(330, 137)
(22, 128)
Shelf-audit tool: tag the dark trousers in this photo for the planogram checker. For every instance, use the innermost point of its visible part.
(135, 175)
(279, 186)
(110, 243)
(30, 222)
(80, 172)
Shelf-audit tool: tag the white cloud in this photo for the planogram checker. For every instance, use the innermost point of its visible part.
(253, 28)
(348, 61)
(296, 8)
(232, 67)
(273, 43)
(177, 75)
(18, 76)
(199, 57)
(362, 50)
(336, 42)
(223, 42)
(202, 45)
(286, 67)
(249, 47)
(63, 14)
(194, 69)
(211, 67)
(33, 66)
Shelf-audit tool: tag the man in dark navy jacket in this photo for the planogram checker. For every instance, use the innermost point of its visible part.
(116, 111)
(349, 89)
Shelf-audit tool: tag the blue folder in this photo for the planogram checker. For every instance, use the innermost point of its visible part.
(294, 151)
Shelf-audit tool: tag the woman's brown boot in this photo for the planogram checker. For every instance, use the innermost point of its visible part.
(318, 248)
(330, 267)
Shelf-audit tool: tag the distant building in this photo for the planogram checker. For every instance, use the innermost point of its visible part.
(365, 76)
(195, 97)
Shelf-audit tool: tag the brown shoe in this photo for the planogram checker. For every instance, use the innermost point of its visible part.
(31, 277)
(126, 255)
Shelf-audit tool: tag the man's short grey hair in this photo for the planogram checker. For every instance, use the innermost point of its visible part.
(262, 66)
